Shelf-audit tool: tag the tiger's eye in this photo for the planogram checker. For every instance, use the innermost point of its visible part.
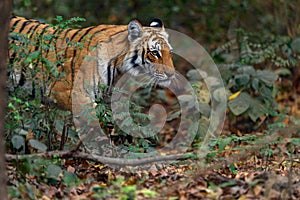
(155, 53)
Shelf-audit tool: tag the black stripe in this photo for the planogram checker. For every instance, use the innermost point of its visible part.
(29, 30)
(76, 33)
(63, 40)
(33, 31)
(118, 71)
(143, 56)
(72, 61)
(15, 53)
(22, 77)
(40, 36)
(108, 74)
(87, 32)
(66, 33)
(71, 39)
(114, 71)
(53, 35)
(23, 26)
(37, 45)
(134, 58)
(99, 31)
(75, 50)
(13, 27)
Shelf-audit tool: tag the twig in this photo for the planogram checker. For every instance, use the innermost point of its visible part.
(102, 159)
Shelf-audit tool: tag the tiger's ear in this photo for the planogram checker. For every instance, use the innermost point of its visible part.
(135, 30)
(157, 23)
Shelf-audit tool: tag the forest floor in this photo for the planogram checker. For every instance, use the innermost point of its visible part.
(252, 165)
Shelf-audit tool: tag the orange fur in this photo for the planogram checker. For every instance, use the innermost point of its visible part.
(72, 56)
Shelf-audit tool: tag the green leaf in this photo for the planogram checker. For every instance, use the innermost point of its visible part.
(34, 55)
(220, 94)
(223, 142)
(70, 179)
(240, 104)
(38, 145)
(21, 131)
(148, 193)
(266, 92)
(242, 79)
(255, 84)
(233, 169)
(229, 183)
(257, 110)
(53, 171)
(18, 141)
(283, 72)
(59, 18)
(196, 75)
(267, 76)
(295, 141)
(203, 126)
(249, 70)
(296, 45)
(204, 109)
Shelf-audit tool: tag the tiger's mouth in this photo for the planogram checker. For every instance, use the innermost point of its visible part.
(162, 79)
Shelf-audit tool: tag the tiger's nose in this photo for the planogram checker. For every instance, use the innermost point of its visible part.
(169, 73)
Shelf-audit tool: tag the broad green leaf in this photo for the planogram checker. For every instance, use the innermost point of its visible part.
(242, 79)
(240, 104)
(247, 70)
(257, 110)
(204, 109)
(255, 84)
(37, 145)
(53, 171)
(194, 74)
(18, 141)
(267, 76)
(212, 81)
(203, 127)
(21, 131)
(296, 45)
(266, 92)
(70, 179)
(283, 71)
(189, 101)
(220, 94)
(295, 141)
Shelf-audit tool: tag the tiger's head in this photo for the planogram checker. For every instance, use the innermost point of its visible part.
(149, 52)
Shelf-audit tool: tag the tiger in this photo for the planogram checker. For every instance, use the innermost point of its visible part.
(117, 49)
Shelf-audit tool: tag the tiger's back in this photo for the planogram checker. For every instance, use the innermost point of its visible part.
(117, 48)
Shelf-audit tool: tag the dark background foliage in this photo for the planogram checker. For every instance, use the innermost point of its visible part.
(208, 21)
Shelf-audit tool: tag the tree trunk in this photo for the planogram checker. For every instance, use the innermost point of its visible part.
(5, 8)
